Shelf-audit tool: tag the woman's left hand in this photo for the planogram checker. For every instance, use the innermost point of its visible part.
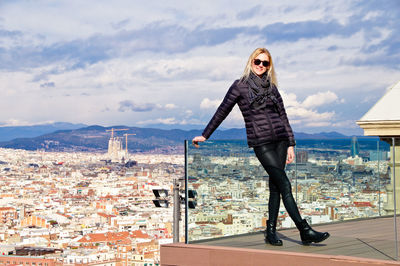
(290, 154)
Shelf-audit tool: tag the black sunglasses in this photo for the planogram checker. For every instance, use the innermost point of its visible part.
(258, 62)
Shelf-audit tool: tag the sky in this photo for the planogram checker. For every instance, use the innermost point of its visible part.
(170, 63)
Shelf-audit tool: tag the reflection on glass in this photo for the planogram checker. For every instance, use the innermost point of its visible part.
(336, 180)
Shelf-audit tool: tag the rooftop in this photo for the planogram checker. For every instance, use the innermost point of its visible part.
(369, 241)
(386, 108)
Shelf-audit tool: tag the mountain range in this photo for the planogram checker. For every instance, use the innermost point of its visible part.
(13, 132)
(79, 137)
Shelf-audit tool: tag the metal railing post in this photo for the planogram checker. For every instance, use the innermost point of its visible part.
(394, 195)
(186, 195)
(379, 180)
(177, 211)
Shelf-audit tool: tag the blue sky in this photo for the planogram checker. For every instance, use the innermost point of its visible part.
(139, 63)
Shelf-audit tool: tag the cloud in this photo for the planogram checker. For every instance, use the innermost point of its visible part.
(372, 15)
(180, 68)
(318, 124)
(370, 99)
(327, 55)
(120, 24)
(10, 33)
(47, 85)
(302, 115)
(349, 124)
(178, 38)
(166, 121)
(175, 38)
(12, 122)
(170, 121)
(305, 114)
(135, 107)
(170, 106)
(380, 26)
(128, 105)
(319, 99)
(79, 53)
(209, 104)
(188, 113)
(291, 32)
(249, 13)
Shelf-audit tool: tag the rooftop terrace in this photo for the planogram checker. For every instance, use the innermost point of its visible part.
(356, 242)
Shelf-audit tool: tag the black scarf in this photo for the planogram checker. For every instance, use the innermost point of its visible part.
(260, 90)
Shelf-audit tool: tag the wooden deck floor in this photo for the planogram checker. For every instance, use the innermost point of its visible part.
(371, 238)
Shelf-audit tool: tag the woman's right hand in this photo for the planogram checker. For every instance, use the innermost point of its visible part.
(196, 140)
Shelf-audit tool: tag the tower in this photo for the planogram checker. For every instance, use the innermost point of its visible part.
(355, 148)
(115, 150)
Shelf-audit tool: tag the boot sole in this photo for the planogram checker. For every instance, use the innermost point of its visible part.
(307, 243)
(273, 244)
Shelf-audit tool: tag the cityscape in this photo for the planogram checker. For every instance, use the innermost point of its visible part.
(87, 208)
(60, 208)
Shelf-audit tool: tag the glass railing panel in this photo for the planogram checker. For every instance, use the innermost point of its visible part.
(393, 198)
(332, 180)
(339, 179)
(231, 190)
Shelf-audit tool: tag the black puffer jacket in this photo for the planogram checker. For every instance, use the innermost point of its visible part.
(263, 126)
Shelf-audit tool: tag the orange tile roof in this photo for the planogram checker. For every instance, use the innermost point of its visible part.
(124, 242)
(139, 234)
(362, 204)
(7, 195)
(105, 215)
(104, 237)
(64, 214)
(7, 209)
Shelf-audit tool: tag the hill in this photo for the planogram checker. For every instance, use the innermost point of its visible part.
(95, 138)
(12, 132)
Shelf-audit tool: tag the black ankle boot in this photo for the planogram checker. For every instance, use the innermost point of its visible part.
(270, 234)
(308, 235)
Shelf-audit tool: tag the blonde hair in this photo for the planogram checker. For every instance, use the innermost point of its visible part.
(271, 70)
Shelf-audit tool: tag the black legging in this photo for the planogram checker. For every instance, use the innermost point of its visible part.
(272, 157)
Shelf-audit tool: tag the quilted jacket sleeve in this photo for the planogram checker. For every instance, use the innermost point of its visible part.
(284, 118)
(223, 110)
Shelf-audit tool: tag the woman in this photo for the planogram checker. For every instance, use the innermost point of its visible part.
(269, 134)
